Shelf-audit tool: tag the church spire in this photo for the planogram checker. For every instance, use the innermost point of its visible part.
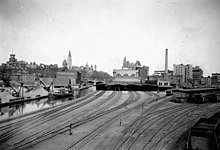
(69, 54)
(69, 61)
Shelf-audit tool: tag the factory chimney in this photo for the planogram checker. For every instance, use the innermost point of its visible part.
(166, 63)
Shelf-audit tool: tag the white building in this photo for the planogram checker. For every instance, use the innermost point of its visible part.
(131, 72)
(125, 72)
(162, 82)
(184, 70)
(72, 76)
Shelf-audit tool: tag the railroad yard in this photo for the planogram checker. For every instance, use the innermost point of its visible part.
(113, 120)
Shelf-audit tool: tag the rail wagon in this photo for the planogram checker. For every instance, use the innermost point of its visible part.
(198, 98)
(204, 97)
(204, 135)
(169, 92)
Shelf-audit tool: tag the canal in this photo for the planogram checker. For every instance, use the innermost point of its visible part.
(19, 109)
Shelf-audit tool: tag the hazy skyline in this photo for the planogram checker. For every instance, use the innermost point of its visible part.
(103, 32)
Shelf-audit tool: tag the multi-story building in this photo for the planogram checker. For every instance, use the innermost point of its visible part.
(125, 73)
(32, 65)
(72, 76)
(176, 80)
(215, 78)
(184, 70)
(206, 81)
(27, 78)
(12, 59)
(11, 70)
(131, 72)
(197, 75)
(161, 73)
(143, 73)
(128, 65)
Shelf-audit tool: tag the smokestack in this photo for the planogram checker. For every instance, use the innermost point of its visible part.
(166, 62)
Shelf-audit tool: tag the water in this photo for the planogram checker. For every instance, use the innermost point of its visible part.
(19, 109)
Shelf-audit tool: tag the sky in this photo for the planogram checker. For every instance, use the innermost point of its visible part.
(103, 32)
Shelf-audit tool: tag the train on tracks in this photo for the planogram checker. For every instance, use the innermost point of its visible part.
(205, 134)
(198, 96)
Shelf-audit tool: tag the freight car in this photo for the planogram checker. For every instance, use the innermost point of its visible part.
(169, 92)
(204, 97)
(204, 135)
(201, 95)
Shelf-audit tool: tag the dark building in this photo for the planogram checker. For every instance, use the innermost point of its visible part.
(143, 73)
(197, 75)
(12, 59)
(215, 79)
(64, 64)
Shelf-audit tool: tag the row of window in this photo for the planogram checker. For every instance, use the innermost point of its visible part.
(165, 83)
(125, 75)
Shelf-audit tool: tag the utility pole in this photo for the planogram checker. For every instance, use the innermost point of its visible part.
(70, 129)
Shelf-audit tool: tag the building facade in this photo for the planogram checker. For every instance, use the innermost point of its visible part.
(162, 82)
(197, 75)
(125, 73)
(215, 78)
(27, 79)
(161, 73)
(143, 73)
(131, 72)
(206, 81)
(73, 76)
(132, 65)
(184, 70)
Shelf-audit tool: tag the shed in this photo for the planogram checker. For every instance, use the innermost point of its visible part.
(60, 82)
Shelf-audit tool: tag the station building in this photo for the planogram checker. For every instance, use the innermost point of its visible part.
(131, 72)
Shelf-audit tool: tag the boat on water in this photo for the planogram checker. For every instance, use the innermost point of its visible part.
(60, 93)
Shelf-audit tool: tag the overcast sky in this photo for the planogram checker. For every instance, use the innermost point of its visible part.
(102, 32)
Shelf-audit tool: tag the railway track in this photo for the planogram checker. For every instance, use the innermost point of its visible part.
(137, 121)
(89, 137)
(167, 118)
(102, 128)
(16, 128)
(62, 127)
(167, 122)
(179, 130)
(95, 114)
(134, 125)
